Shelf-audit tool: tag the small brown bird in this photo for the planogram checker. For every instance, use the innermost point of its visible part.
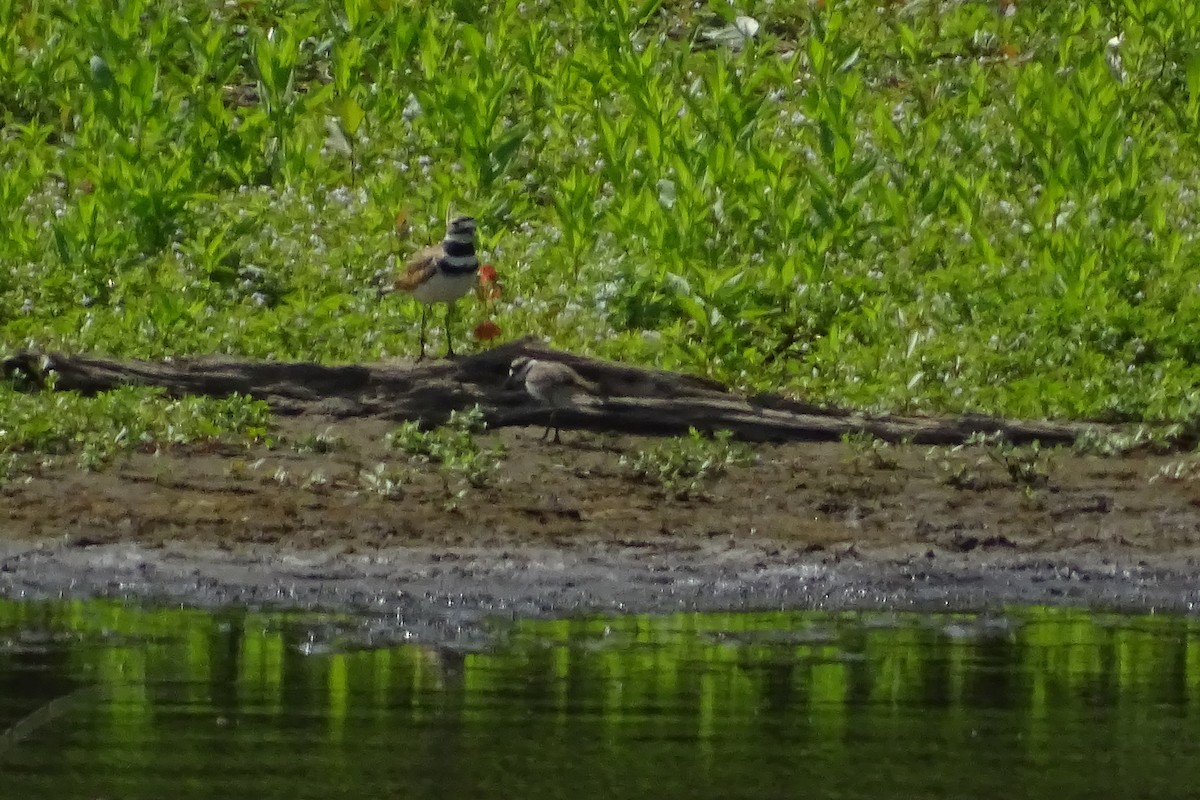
(553, 384)
(441, 273)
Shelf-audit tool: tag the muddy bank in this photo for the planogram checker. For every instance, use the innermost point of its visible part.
(566, 530)
(455, 595)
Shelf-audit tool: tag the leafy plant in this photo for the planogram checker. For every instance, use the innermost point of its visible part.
(321, 442)
(385, 481)
(98, 429)
(1143, 437)
(454, 448)
(682, 466)
(9, 468)
(888, 210)
(1027, 465)
(868, 449)
(971, 466)
(1182, 470)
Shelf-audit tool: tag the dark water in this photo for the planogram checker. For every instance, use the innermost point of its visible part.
(121, 703)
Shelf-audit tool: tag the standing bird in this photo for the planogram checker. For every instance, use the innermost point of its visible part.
(553, 384)
(441, 273)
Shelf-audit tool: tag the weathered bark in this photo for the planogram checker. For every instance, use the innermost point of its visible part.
(637, 400)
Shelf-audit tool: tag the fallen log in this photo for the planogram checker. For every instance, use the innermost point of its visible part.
(637, 400)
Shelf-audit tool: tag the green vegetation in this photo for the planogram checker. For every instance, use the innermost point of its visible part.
(99, 429)
(1027, 465)
(1145, 438)
(683, 465)
(454, 447)
(323, 442)
(925, 207)
(867, 450)
(966, 466)
(1184, 470)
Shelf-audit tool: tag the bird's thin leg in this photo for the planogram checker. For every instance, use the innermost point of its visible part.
(554, 422)
(449, 341)
(424, 310)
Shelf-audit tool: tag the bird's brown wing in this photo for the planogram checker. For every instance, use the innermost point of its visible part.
(569, 377)
(586, 385)
(419, 269)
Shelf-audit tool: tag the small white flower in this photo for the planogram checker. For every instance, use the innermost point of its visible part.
(666, 193)
(412, 108)
(1112, 56)
(99, 67)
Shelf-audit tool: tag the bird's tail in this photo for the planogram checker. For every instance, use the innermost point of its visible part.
(587, 396)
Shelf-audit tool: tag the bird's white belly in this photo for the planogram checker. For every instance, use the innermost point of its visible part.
(444, 288)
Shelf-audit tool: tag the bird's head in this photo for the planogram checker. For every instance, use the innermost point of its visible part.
(518, 370)
(461, 229)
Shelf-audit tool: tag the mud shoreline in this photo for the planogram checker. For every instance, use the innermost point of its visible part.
(439, 596)
(564, 531)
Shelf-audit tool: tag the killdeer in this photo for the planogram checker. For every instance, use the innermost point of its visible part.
(441, 273)
(554, 385)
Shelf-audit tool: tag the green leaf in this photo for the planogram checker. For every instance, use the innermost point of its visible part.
(647, 10)
(817, 55)
(351, 115)
(472, 40)
(653, 142)
(693, 308)
(1193, 85)
(506, 147)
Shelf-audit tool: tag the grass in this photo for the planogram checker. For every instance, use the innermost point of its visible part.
(933, 206)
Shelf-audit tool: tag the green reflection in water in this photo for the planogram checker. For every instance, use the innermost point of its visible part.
(186, 704)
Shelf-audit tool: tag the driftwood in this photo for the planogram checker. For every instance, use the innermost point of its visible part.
(637, 400)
